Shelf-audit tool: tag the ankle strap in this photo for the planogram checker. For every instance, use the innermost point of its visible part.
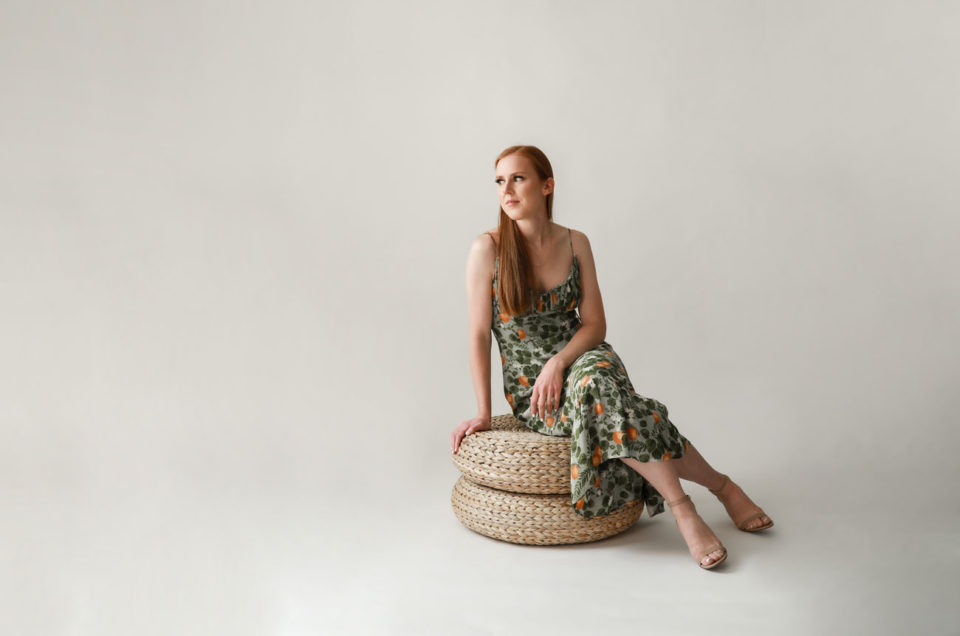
(722, 484)
(677, 502)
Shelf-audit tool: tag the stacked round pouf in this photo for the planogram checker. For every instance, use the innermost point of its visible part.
(515, 486)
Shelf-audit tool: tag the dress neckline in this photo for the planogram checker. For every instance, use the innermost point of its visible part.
(573, 267)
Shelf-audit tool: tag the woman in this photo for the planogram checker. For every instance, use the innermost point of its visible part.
(562, 378)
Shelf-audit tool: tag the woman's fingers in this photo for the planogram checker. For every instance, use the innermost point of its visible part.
(457, 436)
(542, 402)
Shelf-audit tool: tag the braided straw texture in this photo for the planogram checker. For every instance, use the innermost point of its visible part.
(512, 457)
(533, 519)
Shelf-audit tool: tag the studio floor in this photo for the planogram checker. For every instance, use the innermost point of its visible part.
(242, 559)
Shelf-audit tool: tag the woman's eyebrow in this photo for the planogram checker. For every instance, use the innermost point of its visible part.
(510, 175)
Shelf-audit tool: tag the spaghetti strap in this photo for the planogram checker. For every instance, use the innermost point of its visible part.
(570, 236)
(495, 247)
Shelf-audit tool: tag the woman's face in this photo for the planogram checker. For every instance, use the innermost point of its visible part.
(522, 193)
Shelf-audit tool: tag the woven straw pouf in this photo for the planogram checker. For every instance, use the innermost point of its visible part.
(515, 486)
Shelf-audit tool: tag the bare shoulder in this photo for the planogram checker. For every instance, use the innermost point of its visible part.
(483, 253)
(486, 243)
(581, 244)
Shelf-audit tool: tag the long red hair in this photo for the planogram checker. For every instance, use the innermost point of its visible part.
(515, 280)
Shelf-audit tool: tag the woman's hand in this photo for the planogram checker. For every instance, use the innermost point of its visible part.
(467, 427)
(545, 397)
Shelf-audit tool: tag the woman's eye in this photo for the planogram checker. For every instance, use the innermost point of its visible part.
(518, 177)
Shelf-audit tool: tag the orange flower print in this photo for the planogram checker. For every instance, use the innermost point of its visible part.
(666, 456)
(504, 317)
(604, 363)
(574, 471)
(656, 416)
(617, 437)
(523, 380)
(521, 334)
(584, 381)
(609, 353)
(549, 421)
(540, 305)
(622, 370)
(563, 417)
(631, 433)
(597, 456)
(580, 504)
(510, 399)
(572, 303)
(553, 297)
(598, 407)
(503, 361)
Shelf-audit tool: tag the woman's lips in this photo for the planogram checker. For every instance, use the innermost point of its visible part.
(511, 202)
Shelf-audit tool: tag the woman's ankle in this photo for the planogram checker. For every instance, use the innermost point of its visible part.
(685, 510)
(719, 482)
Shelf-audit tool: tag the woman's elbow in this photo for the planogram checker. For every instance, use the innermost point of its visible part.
(598, 328)
(480, 337)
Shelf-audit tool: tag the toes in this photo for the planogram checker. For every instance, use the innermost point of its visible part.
(712, 557)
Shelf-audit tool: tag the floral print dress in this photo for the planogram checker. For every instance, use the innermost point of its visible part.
(599, 409)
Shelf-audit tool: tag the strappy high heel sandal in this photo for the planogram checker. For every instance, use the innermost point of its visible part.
(742, 523)
(710, 548)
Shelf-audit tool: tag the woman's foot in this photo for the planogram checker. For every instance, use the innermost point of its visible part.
(745, 514)
(701, 541)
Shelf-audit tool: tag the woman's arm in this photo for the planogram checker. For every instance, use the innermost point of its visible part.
(593, 321)
(479, 296)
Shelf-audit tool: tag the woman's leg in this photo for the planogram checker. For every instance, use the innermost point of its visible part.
(663, 477)
(693, 467)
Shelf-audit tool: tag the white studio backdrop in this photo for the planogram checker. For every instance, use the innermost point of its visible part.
(233, 239)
